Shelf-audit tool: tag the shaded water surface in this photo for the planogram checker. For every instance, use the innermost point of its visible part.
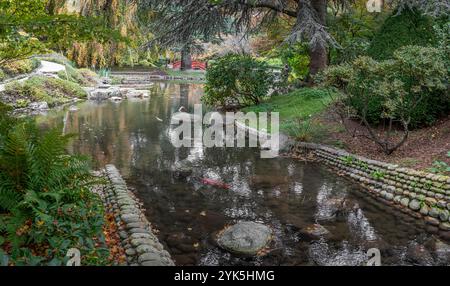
(286, 194)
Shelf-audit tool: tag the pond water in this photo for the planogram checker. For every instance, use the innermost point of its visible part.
(286, 194)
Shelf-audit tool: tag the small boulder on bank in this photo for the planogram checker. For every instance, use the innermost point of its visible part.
(104, 92)
(245, 238)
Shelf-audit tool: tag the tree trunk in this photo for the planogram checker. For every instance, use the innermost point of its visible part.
(319, 60)
(186, 59)
(318, 55)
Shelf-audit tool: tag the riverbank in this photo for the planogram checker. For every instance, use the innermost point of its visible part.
(54, 82)
(423, 195)
(307, 115)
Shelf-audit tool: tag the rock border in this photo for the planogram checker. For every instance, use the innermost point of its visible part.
(424, 196)
(142, 247)
(141, 78)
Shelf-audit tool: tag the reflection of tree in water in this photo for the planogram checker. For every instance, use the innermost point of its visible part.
(184, 95)
(272, 181)
(126, 134)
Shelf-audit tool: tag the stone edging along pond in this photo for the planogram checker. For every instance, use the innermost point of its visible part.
(141, 245)
(422, 195)
(144, 78)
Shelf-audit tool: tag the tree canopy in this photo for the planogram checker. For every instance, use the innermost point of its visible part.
(24, 29)
(181, 22)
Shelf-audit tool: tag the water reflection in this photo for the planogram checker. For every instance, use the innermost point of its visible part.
(286, 194)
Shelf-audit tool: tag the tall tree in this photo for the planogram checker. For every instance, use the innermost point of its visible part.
(180, 22)
(119, 15)
(186, 20)
(29, 27)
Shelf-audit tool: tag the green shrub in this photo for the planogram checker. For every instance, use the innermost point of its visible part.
(297, 57)
(39, 88)
(22, 103)
(242, 79)
(353, 28)
(2, 75)
(304, 129)
(412, 86)
(19, 67)
(408, 28)
(441, 167)
(46, 206)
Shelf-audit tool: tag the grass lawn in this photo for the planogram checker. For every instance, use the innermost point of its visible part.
(192, 73)
(295, 108)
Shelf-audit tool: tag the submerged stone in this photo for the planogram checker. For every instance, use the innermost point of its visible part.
(417, 254)
(184, 168)
(315, 231)
(245, 238)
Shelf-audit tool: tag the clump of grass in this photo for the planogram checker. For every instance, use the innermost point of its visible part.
(84, 77)
(304, 129)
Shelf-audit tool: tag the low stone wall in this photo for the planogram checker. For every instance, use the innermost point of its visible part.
(142, 247)
(130, 78)
(422, 195)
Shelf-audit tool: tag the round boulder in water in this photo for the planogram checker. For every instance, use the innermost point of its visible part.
(245, 238)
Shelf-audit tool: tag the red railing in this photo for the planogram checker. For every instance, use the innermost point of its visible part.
(196, 65)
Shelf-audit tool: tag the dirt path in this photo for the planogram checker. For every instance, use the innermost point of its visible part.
(46, 67)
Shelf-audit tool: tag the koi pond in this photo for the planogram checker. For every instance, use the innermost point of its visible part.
(293, 198)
